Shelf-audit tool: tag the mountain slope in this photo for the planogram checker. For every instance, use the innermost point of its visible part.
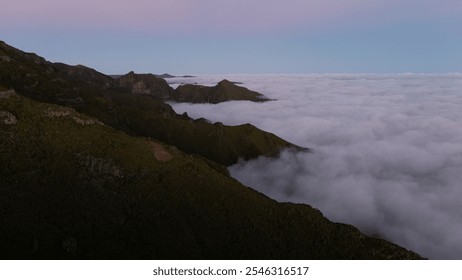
(73, 187)
(114, 103)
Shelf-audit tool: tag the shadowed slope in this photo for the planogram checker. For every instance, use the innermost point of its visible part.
(74, 188)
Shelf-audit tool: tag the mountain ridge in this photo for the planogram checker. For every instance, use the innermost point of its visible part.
(100, 96)
(84, 177)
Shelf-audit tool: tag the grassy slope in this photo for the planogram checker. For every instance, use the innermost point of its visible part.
(89, 191)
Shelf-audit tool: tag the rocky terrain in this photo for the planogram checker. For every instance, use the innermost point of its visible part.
(91, 169)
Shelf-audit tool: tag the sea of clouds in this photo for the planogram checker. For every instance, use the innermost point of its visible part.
(387, 150)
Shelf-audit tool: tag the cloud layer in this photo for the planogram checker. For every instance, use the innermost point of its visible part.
(388, 151)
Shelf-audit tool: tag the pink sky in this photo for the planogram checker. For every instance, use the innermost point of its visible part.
(210, 36)
(215, 15)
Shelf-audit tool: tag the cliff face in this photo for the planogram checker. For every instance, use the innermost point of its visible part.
(222, 92)
(74, 184)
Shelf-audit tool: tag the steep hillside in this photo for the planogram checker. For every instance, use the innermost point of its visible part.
(73, 187)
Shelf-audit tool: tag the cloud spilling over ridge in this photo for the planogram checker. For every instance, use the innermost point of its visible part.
(388, 151)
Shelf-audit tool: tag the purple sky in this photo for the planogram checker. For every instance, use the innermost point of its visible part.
(241, 36)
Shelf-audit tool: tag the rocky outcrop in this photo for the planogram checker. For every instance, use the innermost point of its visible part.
(58, 113)
(86, 121)
(222, 92)
(5, 58)
(100, 167)
(7, 93)
(8, 118)
(72, 114)
(147, 84)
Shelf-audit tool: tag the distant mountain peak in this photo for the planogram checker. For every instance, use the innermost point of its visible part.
(224, 91)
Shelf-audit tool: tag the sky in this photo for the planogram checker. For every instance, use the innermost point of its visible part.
(240, 36)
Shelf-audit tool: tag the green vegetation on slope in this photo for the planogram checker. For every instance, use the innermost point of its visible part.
(72, 187)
